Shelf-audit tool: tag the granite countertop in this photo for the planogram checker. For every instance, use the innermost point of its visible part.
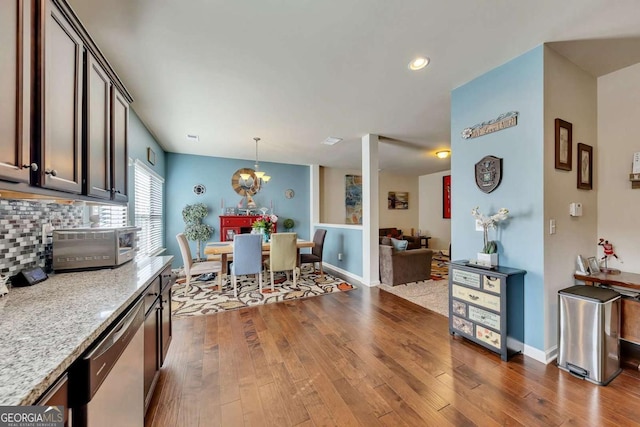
(46, 327)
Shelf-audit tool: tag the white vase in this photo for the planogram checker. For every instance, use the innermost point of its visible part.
(489, 260)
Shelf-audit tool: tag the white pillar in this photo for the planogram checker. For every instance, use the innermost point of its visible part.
(314, 191)
(370, 210)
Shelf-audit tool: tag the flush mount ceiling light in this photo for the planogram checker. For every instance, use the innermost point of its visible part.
(443, 154)
(332, 140)
(419, 63)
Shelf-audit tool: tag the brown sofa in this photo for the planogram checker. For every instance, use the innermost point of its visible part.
(399, 267)
(414, 242)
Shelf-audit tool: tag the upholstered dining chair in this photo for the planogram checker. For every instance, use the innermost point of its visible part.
(192, 269)
(247, 258)
(316, 251)
(283, 255)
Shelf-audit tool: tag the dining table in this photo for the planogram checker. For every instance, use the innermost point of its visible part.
(224, 249)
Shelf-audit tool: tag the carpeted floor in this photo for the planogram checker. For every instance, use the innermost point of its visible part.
(203, 297)
(431, 294)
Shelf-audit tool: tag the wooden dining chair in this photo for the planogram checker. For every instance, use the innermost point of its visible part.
(192, 269)
(316, 251)
(283, 255)
(247, 258)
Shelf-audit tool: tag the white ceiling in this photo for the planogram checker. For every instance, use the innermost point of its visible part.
(294, 72)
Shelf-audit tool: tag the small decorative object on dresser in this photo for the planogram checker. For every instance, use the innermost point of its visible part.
(489, 256)
(487, 307)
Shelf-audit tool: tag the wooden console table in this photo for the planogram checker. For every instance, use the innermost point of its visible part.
(629, 311)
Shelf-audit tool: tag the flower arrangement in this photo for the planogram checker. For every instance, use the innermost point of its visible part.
(487, 222)
(265, 223)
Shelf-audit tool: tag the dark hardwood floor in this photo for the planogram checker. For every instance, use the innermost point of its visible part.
(365, 357)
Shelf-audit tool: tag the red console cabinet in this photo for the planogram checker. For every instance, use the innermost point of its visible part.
(237, 224)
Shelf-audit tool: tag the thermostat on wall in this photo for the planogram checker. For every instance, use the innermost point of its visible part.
(575, 209)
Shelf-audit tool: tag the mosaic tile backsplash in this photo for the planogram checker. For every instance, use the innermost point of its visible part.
(21, 223)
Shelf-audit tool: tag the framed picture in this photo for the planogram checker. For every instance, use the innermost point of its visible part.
(593, 265)
(585, 166)
(398, 200)
(564, 143)
(446, 196)
(582, 265)
(151, 156)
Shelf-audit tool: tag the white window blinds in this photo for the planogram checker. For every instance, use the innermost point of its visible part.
(148, 209)
(109, 216)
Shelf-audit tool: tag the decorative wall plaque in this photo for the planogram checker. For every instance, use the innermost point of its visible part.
(488, 173)
(503, 121)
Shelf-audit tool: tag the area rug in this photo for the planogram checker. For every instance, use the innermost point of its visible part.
(431, 294)
(205, 298)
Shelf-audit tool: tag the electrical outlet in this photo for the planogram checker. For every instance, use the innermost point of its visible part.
(552, 226)
(340, 256)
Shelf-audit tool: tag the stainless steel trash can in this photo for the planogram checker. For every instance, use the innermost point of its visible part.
(588, 333)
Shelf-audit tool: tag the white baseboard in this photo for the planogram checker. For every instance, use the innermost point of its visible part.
(541, 356)
(344, 274)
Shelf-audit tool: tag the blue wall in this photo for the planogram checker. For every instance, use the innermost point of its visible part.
(184, 171)
(514, 86)
(347, 241)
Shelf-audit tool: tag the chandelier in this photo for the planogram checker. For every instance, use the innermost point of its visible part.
(261, 176)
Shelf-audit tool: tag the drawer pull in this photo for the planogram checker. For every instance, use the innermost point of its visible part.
(474, 297)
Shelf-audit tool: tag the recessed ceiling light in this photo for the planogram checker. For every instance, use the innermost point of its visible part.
(332, 140)
(193, 138)
(443, 154)
(419, 63)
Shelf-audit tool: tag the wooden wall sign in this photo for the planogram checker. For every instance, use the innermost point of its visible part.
(503, 121)
(488, 173)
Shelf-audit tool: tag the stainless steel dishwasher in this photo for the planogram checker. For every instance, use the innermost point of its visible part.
(108, 379)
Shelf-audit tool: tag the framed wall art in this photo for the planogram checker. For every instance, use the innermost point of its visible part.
(398, 200)
(151, 156)
(446, 196)
(585, 166)
(353, 199)
(564, 144)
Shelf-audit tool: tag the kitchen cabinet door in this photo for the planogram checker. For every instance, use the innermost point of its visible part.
(98, 130)
(15, 90)
(165, 324)
(61, 122)
(119, 143)
(151, 348)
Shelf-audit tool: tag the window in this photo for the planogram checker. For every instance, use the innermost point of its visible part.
(109, 216)
(148, 209)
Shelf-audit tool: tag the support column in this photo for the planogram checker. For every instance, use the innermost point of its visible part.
(314, 191)
(370, 210)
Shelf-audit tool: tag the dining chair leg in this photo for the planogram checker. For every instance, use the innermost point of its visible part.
(271, 280)
(321, 271)
(220, 281)
(260, 280)
(295, 281)
(235, 285)
(186, 286)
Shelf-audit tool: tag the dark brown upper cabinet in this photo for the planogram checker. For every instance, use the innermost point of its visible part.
(64, 114)
(15, 90)
(98, 130)
(119, 145)
(62, 75)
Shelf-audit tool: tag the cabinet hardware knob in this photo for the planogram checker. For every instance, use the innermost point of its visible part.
(32, 166)
(152, 294)
(51, 172)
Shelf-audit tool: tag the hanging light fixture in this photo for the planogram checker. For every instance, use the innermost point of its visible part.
(261, 175)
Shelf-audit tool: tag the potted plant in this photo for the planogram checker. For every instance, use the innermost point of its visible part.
(288, 224)
(195, 229)
(489, 254)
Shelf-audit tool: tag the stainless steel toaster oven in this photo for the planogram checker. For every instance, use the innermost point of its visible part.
(81, 248)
